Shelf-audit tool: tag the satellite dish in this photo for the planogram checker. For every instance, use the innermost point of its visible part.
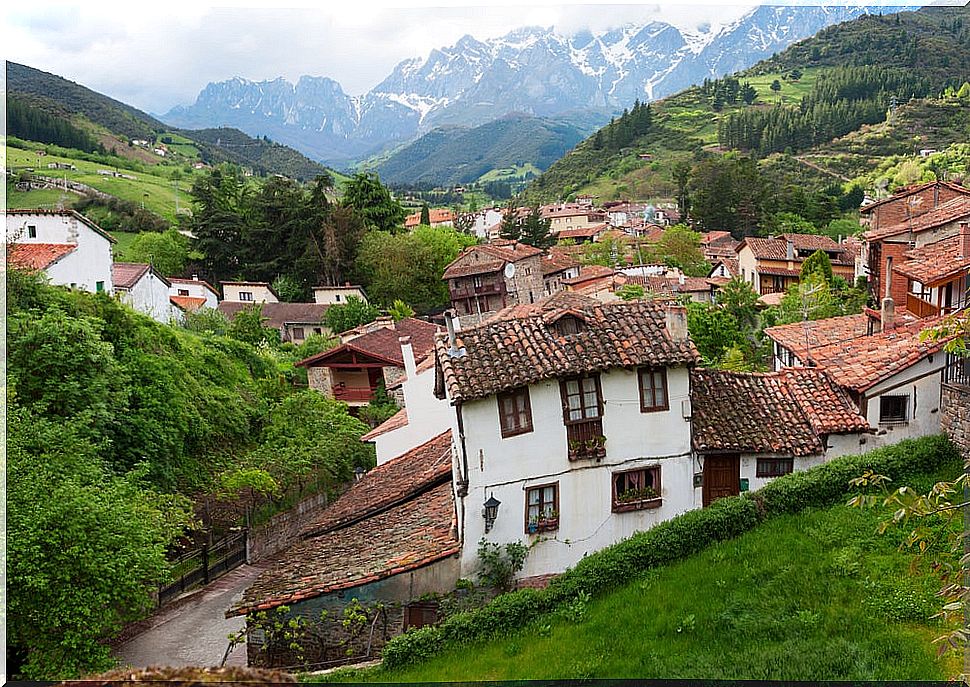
(510, 270)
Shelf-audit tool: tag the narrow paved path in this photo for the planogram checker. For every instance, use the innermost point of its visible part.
(194, 630)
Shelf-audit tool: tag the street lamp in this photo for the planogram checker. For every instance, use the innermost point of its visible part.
(490, 511)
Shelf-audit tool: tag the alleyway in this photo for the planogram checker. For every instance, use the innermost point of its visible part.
(193, 631)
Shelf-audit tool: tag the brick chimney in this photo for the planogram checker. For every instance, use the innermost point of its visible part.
(965, 240)
(676, 322)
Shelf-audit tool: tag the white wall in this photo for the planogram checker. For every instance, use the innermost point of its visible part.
(922, 383)
(196, 289)
(506, 467)
(150, 296)
(428, 417)
(87, 265)
(336, 296)
(261, 293)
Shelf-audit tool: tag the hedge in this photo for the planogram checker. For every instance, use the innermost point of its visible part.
(671, 541)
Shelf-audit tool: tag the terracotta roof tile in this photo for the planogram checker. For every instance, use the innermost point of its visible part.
(388, 484)
(435, 215)
(936, 262)
(187, 303)
(582, 232)
(950, 211)
(777, 248)
(36, 256)
(491, 257)
(396, 421)
(505, 353)
(557, 261)
(799, 337)
(384, 343)
(124, 275)
(780, 412)
(278, 314)
(414, 534)
(910, 190)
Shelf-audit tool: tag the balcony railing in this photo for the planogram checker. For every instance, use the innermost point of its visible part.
(957, 370)
(342, 392)
(469, 291)
(585, 440)
(919, 307)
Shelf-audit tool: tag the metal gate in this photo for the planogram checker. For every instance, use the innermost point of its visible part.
(200, 566)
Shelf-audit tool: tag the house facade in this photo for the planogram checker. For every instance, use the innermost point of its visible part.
(337, 295)
(69, 248)
(191, 294)
(936, 275)
(771, 265)
(582, 440)
(486, 278)
(143, 288)
(248, 292)
(294, 321)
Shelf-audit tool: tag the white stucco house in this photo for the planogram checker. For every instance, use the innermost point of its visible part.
(337, 295)
(191, 294)
(143, 288)
(248, 292)
(70, 249)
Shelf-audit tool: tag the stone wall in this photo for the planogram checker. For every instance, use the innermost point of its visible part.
(956, 416)
(283, 528)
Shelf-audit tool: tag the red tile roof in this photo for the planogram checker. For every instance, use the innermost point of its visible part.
(783, 412)
(799, 337)
(589, 273)
(36, 256)
(417, 533)
(187, 303)
(279, 314)
(582, 232)
(435, 216)
(384, 344)
(950, 211)
(710, 237)
(777, 248)
(396, 421)
(124, 275)
(505, 353)
(936, 263)
(388, 484)
(557, 261)
(860, 363)
(910, 190)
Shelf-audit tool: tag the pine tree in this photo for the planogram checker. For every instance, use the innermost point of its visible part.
(511, 225)
(535, 230)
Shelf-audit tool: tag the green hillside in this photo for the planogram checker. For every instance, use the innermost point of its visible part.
(818, 595)
(837, 83)
(460, 155)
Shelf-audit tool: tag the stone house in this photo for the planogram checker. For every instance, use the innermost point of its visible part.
(485, 278)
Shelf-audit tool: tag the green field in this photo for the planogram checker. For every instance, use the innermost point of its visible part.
(155, 189)
(814, 596)
(509, 173)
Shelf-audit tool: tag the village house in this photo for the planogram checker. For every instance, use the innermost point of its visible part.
(748, 428)
(380, 550)
(557, 266)
(248, 292)
(189, 295)
(143, 288)
(595, 281)
(337, 295)
(697, 289)
(892, 376)
(574, 416)
(486, 278)
(771, 265)
(484, 222)
(70, 249)
(937, 275)
(580, 235)
(294, 321)
(439, 217)
(571, 216)
(355, 370)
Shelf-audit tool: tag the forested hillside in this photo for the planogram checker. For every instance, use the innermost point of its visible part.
(885, 72)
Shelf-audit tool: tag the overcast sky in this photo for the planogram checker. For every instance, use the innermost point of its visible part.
(157, 55)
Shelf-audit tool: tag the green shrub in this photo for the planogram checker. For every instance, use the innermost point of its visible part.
(671, 541)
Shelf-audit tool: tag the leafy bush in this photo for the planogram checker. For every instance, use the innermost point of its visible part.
(670, 541)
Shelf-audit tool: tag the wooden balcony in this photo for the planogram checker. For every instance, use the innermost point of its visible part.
(585, 440)
(470, 291)
(919, 307)
(353, 394)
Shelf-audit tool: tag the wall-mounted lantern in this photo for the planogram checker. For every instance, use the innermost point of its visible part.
(490, 511)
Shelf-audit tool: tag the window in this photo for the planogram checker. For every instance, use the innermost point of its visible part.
(567, 325)
(636, 489)
(31, 231)
(515, 412)
(582, 410)
(99, 287)
(477, 282)
(317, 330)
(298, 333)
(183, 292)
(653, 389)
(774, 467)
(337, 298)
(894, 408)
(542, 508)
(245, 295)
(420, 613)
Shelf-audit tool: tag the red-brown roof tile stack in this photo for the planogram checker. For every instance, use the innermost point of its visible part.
(384, 344)
(396, 421)
(187, 303)
(936, 263)
(950, 211)
(777, 413)
(505, 353)
(800, 337)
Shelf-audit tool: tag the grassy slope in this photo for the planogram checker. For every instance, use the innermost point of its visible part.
(815, 596)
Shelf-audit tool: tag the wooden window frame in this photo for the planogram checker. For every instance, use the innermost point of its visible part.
(507, 429)
(651, 371)
(546, 524)
(31, 231)
(894, 420)
(640, 503)
(584, 436)
(246, 297)
(777, 466)
(565, 398)
(299, 333)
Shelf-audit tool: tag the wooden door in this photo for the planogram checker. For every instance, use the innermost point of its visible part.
(722, 477)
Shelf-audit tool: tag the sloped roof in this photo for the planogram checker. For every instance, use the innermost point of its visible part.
(66, 213)
(935, 262)
(412, 535)
(434, 215)
(493, 256)
(944, 213)
(505, 353)
(278, 314)
(862, 362)
(37, 256)
(384, 344)
(777, 248)
(388, 484)
(124, 275)
(187, 303)
(782, 413)
(910, 190)
(557, 261)
(396, 421)
(582, 232)
(799, 337)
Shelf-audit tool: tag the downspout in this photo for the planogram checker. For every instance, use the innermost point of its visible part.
(463, 482)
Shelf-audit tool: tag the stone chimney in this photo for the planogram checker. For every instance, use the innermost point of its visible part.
(887, 319)
(965, 240)
(451, 322)
(789, 249)
(676, 323)
(407, 352)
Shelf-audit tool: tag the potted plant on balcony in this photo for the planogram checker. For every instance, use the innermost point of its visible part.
(548, 521)
(636, 499)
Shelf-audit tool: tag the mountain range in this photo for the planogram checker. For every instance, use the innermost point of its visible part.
(530, 71)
